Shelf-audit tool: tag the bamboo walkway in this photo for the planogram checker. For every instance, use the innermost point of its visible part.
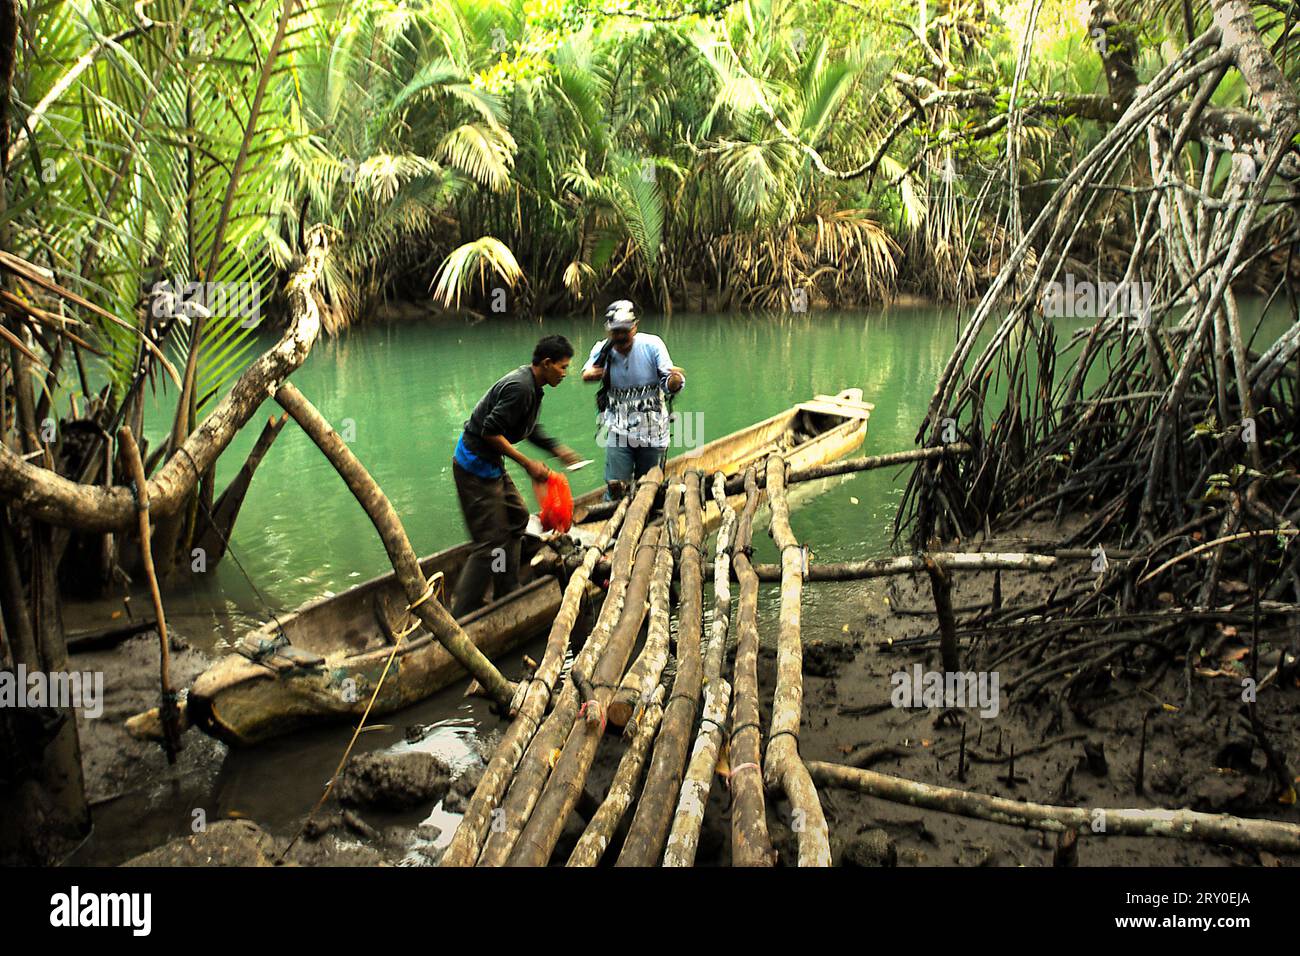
(683, 733)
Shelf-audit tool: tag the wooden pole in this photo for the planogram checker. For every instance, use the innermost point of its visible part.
(914, 564)
(595, 839)
(1178, 824)
(906, 564)
(750, 843)
(167, 710)
(783, 768)
(649, 827)
(564, 787)
(535, 767)
(736, 483)
(715, 651)
(467, 842)
(404, 560)
(684, 839)
(641, 679)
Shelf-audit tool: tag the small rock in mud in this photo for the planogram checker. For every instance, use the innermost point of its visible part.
(975, 854)
(1215, 791)
(393, 781)
(824, 660)
(224, 843)
(871, 848)
(462, 789)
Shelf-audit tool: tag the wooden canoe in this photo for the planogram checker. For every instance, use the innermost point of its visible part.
(321, 662)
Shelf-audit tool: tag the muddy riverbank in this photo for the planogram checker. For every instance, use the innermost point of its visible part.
(1203, 759)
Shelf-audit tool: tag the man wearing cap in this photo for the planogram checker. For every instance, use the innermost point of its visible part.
(636, 377)
(494, 512)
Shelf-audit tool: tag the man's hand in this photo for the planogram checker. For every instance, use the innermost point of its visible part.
(537, 471)
(567, 455)
(675, 380)
(593, 374)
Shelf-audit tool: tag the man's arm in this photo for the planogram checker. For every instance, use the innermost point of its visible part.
(591, 372)
(670, 376)
(536, 470)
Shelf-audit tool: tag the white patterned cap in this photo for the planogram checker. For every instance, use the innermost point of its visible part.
(620, 315)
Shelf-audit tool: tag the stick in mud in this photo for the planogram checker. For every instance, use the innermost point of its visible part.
(467, 842)
(1178, 824)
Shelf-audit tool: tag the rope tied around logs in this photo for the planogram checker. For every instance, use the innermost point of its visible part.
(435, 584)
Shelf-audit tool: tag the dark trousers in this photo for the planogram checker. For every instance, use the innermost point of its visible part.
(495, 516)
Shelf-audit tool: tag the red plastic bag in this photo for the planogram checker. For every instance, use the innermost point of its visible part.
(557, 503)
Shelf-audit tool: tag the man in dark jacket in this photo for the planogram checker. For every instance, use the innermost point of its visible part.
(495, 514)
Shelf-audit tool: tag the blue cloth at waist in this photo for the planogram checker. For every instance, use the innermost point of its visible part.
(474, 464)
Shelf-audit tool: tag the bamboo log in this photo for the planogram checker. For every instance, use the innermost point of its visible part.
(639, 683)
(650, 823)
(595, 839)
(684, 839)
(535, 766)
(716, 649)
(467, 841)
(564, 787)
(404, 560)
(906, 564)
(1178, 824)
(783, 768)
(736, 484)
(750, 843)
(915, 564)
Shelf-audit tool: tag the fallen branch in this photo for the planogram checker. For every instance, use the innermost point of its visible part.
(1178, 824)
